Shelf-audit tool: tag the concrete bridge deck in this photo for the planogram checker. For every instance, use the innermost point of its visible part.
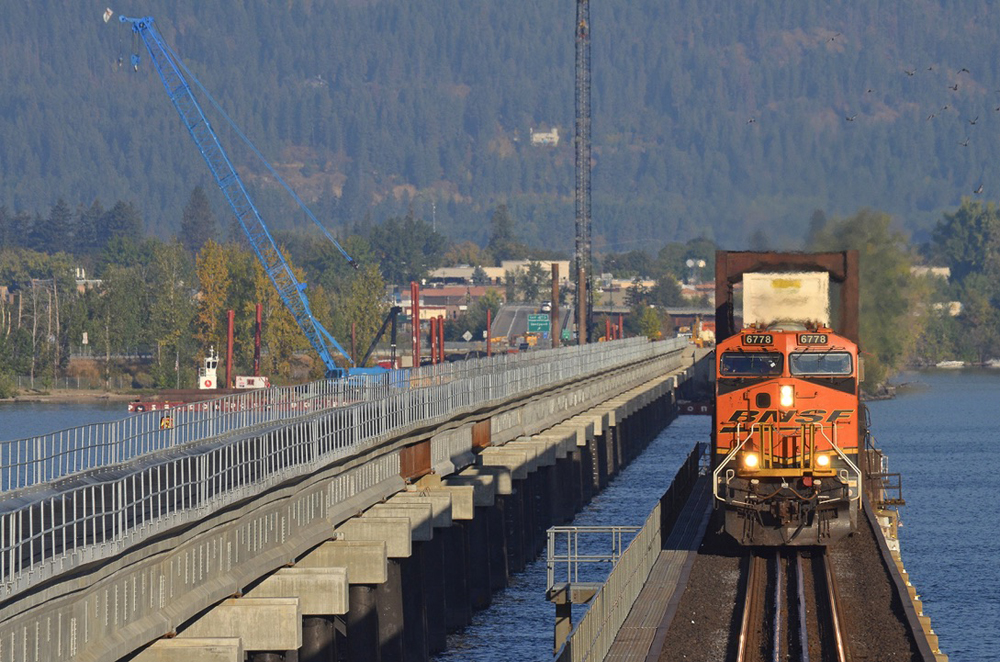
(301, 532)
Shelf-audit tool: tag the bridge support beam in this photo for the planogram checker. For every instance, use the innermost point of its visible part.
(216, 649)
(263, 624)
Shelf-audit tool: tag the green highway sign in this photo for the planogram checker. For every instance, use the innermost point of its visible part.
(538, 324)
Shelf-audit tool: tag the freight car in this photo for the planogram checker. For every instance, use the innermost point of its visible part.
(787, 424)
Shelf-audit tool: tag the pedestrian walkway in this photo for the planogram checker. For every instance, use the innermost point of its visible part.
(641, 636)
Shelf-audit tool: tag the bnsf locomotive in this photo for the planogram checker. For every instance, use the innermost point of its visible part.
(786, 422)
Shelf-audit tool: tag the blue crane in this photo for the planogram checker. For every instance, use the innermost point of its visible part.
(292, 291)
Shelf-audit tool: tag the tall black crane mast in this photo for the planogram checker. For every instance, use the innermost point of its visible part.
(584, 284)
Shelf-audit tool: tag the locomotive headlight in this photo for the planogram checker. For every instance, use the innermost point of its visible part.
(823, 461)
(786, 395)
(750, 460)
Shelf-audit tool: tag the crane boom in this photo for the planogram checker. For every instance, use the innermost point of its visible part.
(291, 290)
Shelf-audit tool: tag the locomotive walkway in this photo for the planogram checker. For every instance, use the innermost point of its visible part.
(369, 515)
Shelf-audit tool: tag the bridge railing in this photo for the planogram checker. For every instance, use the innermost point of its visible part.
(47, 458)
(49, 528)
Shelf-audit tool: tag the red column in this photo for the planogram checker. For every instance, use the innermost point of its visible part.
(621, 327)
(433, 332)
(440, 338)
(489, 332)
(607, 328)
(230, 316)
(415, 315)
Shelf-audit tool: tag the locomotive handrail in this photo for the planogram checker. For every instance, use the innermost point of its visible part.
(847, 460)
(833, 443)
(729, 457)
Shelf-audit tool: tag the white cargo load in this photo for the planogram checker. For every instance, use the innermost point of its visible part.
(252, 382)
(798, 297)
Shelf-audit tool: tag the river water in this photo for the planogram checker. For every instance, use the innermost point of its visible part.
(942, 436)
(941, 433)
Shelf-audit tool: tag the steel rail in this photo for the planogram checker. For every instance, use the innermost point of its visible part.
(803, 623)
(779, 586)
(752, 606)
(836, 618)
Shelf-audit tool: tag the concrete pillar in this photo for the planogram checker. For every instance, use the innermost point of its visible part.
(319, 639)
(415, 648)
(601, 452)
(362, 624)
(480, 582)
(592, 467)
(528, 486)
(577, 473)
(458, 612)
(432, 582)
(389, 601)
(269, 656)
(495, 522)
(513, 513)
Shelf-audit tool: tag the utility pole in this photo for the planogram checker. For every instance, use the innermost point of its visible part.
(584, 285)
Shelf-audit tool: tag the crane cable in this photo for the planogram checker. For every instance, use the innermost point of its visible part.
(256, 151)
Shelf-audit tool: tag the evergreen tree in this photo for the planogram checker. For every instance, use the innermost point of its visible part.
(6, 230)
(122, 220)
(53, 234)
(88, 227)
(502, 244)
(531, 281)
(198, 221)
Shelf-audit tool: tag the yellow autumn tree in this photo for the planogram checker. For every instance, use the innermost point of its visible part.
(281, 336)
(212, 266)
(365, 306)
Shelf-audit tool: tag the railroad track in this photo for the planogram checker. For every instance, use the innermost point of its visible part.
(791, 610)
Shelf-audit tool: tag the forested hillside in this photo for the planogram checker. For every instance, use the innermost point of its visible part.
(722, 119)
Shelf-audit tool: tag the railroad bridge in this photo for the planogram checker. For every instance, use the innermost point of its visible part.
(369, 515)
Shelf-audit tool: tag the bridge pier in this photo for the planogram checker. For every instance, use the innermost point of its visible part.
(319, 639)
(389, 602)
(362, 623)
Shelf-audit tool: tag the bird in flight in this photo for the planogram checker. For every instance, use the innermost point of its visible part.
(870, 90)
(953, 88)
(979, 190)
(931, 116)
(930, 68)
(910, 73)
(973, 122)
(965, 144)
(963, 70)
(751, 121)
(834, 37)
(850, 118)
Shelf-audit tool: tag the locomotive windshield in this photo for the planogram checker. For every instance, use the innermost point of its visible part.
(820, 363)
(740, 364)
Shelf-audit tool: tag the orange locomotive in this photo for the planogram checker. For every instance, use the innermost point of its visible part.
(786, 425)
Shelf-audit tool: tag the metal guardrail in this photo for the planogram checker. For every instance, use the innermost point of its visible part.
(46, 458)
(564, 549)
(86, 494)
(593, 636)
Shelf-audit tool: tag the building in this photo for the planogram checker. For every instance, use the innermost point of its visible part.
(447, 301)
(545, 137)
